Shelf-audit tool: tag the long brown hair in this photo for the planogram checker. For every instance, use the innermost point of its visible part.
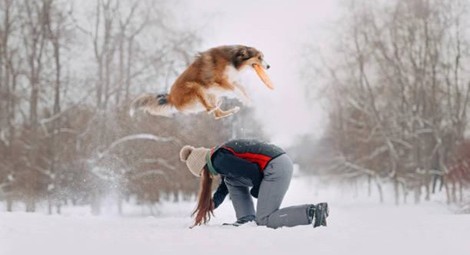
(205, 204)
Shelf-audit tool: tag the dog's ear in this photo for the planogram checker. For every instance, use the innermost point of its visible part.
(241, 54)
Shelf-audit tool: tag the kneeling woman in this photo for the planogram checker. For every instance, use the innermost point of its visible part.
(249, 168)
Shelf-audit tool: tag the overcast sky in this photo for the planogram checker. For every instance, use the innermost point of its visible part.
(280, 30)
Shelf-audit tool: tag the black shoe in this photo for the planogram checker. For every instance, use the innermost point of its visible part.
(321, 213)
(241, 221)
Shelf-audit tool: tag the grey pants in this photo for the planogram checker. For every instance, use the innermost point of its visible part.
(277, 176)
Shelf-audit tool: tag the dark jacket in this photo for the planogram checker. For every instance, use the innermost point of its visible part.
(241, 162)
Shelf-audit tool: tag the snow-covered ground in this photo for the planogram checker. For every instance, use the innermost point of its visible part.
(357, 225)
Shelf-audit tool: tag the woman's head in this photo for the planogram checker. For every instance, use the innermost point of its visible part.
(195, 158)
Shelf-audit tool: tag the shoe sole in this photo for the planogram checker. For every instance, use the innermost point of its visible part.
(320, 220)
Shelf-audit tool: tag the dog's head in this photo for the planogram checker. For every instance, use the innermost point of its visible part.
(243, 56)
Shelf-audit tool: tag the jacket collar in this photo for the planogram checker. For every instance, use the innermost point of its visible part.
(209, 161)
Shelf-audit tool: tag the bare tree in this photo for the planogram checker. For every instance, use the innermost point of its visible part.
(399, 98)
(8, 82)
(65, 132)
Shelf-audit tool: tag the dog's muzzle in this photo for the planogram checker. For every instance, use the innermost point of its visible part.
(263, 64)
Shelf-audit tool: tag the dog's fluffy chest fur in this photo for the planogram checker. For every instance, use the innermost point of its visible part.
(232, 75)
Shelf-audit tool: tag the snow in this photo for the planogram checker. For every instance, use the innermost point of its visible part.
(357, 225)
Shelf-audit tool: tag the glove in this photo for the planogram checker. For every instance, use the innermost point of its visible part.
(254, 191)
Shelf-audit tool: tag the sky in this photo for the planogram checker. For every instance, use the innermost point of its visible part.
(280, 29)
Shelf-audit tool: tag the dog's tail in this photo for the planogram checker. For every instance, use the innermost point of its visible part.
(153, 104)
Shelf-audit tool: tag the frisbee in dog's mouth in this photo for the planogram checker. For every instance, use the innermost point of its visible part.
(263, 76)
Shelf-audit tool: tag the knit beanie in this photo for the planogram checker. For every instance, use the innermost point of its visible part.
(195, 158)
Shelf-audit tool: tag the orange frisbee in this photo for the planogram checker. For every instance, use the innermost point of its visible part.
(263, 76)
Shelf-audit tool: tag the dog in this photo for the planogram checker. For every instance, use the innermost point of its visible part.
(213, 74)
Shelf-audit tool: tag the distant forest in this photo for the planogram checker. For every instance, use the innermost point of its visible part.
(67, 75)
(396, 82)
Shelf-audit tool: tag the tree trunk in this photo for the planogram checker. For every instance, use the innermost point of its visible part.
(417, 194)
(30, 204)
(95, 203)
(9, 204)
(396, 190)
(381, 195)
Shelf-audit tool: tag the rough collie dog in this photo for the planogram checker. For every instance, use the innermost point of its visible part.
(213, 74)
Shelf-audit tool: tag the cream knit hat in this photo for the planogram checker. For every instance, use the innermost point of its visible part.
(195, 158)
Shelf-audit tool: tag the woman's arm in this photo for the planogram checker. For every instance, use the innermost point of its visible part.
(220, 193)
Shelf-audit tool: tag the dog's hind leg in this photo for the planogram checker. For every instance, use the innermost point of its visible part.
(218, 113)
(213, 101)
(208, 101)
(212, 105)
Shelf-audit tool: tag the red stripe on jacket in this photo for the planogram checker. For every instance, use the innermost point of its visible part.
(260, 159)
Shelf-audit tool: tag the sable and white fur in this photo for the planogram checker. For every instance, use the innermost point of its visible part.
(213, 74)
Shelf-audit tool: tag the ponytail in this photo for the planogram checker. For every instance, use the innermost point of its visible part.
(205, 204)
